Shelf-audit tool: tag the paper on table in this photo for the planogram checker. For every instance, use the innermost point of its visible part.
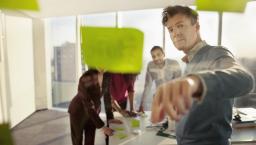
(120, 135)
(135, 123)
(247, 111)
(118, 128)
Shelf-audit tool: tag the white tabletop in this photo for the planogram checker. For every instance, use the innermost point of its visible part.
(126, 135)
(137, 136)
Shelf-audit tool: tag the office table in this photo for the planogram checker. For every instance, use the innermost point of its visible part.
(143, 135)
(126, 135)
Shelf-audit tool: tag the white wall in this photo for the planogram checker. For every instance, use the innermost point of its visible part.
(19, 47)
(3, 95)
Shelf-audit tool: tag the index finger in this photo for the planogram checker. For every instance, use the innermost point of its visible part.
(157, 112)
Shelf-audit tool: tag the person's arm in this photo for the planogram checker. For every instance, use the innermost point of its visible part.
(132, 112)
(107, 131)
(107, 96)
(117, 107)
(131, 98)
(93, 115)
(224, 79)
(147, 87)
(130, 90)
(107, 100)
(175, 98)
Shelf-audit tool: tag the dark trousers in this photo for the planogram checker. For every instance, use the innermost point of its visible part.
(79, 126)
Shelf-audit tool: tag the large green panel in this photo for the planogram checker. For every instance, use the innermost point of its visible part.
(19, 4)
(112, 49)
(221, 5)
(5, 135)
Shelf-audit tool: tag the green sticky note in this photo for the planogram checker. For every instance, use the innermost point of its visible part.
(121, 135)
(119, 129)
(135, 123)
(112, 49)
(5, 135)
(19, 4)
(221, 5)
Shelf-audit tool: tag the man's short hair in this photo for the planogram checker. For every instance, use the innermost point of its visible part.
(171, 11)
(155, 48)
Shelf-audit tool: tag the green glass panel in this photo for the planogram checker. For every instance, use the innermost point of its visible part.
(221, 5)
(5, 135)
(121, 135)
(112, 49)
(19, 4)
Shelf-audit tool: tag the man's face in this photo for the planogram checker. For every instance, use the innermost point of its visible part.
(183, 33)
(157, 56)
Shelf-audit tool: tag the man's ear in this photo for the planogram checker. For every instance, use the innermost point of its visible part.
(197, 26)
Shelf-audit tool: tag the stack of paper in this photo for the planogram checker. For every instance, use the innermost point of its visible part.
(247, 118)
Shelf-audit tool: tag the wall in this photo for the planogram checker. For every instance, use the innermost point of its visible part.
(3, 91)
(19, 48)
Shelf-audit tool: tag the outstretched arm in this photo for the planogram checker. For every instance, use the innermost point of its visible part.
(224, 79)
(147, 87)
(107, 96)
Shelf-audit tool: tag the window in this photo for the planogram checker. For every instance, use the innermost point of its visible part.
(239, 37)
(63, 32)
(62, 39)
(149, 22)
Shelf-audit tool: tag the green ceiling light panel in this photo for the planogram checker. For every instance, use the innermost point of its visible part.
(112, 49)
(221, 5)
(19, 4)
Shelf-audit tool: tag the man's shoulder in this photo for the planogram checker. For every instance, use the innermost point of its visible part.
(215, 48)
(216, 51)
(170, 61)
(151, 64)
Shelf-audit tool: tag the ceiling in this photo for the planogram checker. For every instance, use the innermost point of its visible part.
(55, 8)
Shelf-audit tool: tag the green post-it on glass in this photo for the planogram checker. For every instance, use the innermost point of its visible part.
(19, 4)
(119, 129)
(221, 5)
(112, 49)
(135, 123)
(121, 135)
(5, 135)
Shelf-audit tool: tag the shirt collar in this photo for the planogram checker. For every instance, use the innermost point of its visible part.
(192, 52)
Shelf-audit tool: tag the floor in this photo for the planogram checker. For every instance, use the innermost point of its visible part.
(46, 127)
